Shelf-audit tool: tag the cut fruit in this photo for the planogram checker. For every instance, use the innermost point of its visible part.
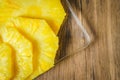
(6, 65)
(52, 11)
(22, 48)
(45, 43)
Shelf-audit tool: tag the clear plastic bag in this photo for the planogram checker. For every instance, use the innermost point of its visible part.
(75, 34)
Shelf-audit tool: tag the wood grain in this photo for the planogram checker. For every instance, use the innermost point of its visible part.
(101, 60)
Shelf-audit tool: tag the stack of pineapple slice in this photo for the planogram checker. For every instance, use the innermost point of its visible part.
(28, 33)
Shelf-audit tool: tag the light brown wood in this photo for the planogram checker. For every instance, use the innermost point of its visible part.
(101, 60)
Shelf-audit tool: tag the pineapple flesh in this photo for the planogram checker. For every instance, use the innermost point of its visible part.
(45, 43)
(6, 65)
(52, 11)
(30, 28)
(22, 48)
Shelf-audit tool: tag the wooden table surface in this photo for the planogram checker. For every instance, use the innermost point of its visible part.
(101, 60)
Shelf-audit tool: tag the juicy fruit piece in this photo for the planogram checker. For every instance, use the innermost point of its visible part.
(51, 11)
(22, 48)
(45, 43)
(6, 66)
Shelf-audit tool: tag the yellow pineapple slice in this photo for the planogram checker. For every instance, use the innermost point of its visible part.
(6, 66)
(51, 11)
(22, 48)
(45, 43)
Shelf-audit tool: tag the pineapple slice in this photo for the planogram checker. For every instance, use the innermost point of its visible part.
(51, 11)
(6, 66)
(22, 48)
(45, 43)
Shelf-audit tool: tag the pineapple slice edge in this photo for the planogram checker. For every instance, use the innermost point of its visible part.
(40, 32)
(23, 51)
(6, 65)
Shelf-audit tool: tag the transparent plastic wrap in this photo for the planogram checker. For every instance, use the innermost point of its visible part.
(75, 34)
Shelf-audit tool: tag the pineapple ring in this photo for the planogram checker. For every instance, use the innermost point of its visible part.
(52, 11)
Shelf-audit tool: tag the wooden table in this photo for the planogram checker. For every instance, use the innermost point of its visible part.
(101, 60)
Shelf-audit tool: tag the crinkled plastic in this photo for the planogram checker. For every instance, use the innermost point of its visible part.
(75, 33)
